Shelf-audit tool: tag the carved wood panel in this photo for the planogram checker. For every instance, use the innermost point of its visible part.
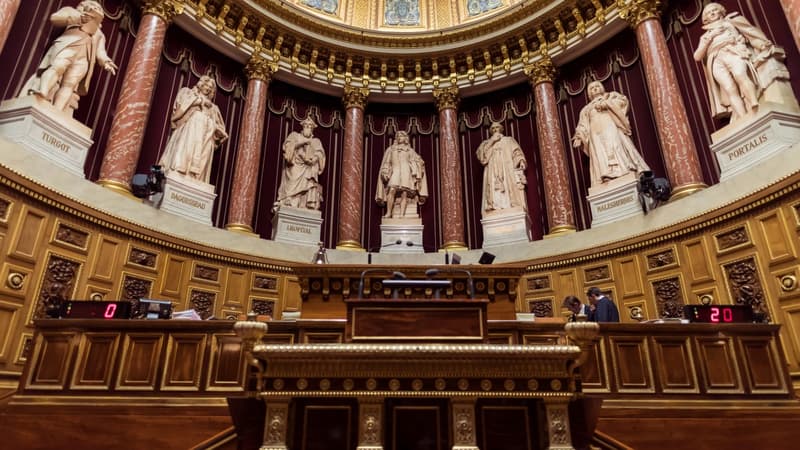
(58, 285)
(718, 365)
(773, 232)
(669, 297)
(227, 367)
(95, 362)
(631, 364)
(745, 287)
(51, 363)
(675, 365)
(185, 360)
(139, 365)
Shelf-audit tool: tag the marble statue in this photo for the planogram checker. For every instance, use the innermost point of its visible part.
(740, 62)
(303, 162)
(66, 70)
(604, 134)
(504, 167)
(197, 130)
(402, 175)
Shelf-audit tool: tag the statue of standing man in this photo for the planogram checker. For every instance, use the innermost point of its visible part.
(504, 167)
(402, 177)
(66, 69)
(604, 134)
(303, 162)
(197, 130)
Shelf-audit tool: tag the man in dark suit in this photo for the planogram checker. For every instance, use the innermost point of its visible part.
(604, 309)
(574, 304)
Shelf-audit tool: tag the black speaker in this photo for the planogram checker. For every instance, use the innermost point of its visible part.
(486, 258)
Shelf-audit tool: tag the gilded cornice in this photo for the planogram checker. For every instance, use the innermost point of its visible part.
(259, 68)
(355, 97)
(637, 11)
(327, 56)
(446, 98)
(166, 9)
(542, 71)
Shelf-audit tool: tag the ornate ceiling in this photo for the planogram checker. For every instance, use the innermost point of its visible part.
(395, 51)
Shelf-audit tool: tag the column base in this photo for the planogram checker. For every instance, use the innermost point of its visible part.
(119, 188)
(686, 190)
(353, 246)
(453, 246)
(560, 230)
(240, 228)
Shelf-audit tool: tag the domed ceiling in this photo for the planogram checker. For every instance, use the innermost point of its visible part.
(401, 49)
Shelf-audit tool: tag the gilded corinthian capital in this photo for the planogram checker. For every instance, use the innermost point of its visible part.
(637, 11)
(259, 68)
(446, 98)
(355, 97)
(542, 71)
(166, 9)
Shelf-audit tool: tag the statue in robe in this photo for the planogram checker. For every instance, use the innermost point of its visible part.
(504, 167)
(303, 162)
(402, 178)
(64, 73)
(604, 134)
(197, 130)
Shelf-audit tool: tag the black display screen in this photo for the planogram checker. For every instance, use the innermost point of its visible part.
(718, 313)
(77, 309)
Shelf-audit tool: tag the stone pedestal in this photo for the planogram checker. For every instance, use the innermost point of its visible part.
(37, 125)
(401, 236)
(616, 200)
(297, 226)
(508, 226)
(188, 198)
(753, 138)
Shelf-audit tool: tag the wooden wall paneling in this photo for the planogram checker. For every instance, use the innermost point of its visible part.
(630, 277)
(542, 338)
(51, 360)
(594, 372)
(24, 349)
(598, 273)
(204, 272)
(417, 427)
(543, 307)
(16, 281)
(185, 360)
(59, 278)
(104, 258)
(762, 365)
(698, 261)
(505, 427)
(705, 295)
(786, 283)
(502, 338)
(291, 301)
(278, 338)
(141, 258)
(326, 426)
(174, 277)
(29, 234)
(227, 367)
(530, 287)
(263, 306)
(8, 329)
(790, 335)
(628, 308)
(719, 368)
(236, 289)
(96, 293)
(630, 358)
(94, 364)
(139, 362)
(774, 233)
(669, 295)
(733, 238)
(70, 236)
(203, 300)
(6, 209)
(674, 361)
(321, 337)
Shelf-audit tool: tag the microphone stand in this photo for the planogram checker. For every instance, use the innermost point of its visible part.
(433, 271)
(395, 276)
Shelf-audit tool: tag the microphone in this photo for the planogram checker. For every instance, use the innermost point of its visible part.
(394, 274)
(433, 271)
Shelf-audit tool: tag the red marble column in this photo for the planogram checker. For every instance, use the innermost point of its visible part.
(133, 106)
(792, 10)
(677, 145)
(355, 100)
(560, 212)
(243, 192)
(450, 172)
(8, 10)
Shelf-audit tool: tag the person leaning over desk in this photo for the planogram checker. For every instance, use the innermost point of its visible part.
(604, 310)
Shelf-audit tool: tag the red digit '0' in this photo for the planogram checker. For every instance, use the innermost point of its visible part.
(727, 315)
(715, 314)
(110, 310)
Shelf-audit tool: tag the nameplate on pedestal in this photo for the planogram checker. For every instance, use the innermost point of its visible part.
(297, 226)
(752, 139)
(616, 200)
(508, 226)
(401, 235)
(188, 198)
(37, 125)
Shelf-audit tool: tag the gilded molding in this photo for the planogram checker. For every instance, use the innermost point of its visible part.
(637, 11)
(542, 71)
(258, 68)
(165, 9)
(446, 98)
(355, 97)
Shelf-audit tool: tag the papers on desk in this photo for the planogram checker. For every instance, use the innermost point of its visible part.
(189, 314)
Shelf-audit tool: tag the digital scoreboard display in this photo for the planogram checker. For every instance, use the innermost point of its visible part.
(87, 309)
(718, 313)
